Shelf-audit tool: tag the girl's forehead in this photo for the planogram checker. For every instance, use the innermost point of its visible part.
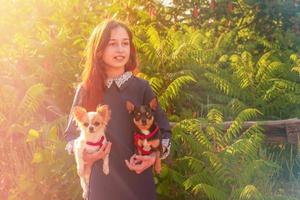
(119, 33)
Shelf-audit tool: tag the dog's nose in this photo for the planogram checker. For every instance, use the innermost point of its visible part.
(91, 129)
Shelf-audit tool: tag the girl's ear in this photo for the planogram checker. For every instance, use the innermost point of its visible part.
(104, 112)
(129, 106)
(79, 113)
(153, 104)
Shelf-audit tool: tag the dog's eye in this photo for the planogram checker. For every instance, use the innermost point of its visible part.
(86, 124)
(148, 114)
(96, 123)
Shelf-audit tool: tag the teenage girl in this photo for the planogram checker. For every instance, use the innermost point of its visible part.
(108, 79)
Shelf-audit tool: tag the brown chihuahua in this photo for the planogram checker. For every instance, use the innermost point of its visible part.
(147, 136)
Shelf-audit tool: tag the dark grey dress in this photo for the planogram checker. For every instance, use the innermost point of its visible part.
(121, 183)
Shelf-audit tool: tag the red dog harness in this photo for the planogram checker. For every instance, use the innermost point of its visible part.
(99, 143)
(139, 136)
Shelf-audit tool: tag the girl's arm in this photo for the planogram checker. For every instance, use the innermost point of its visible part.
(161, 121)
(72, 132)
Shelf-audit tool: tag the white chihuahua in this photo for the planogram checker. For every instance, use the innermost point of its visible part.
(92, 137)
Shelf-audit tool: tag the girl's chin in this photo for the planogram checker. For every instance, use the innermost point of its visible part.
(119, 66)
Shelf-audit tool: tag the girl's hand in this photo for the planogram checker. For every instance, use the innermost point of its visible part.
(90, 158)
(139, 163)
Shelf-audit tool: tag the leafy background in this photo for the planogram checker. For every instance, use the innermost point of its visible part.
(207, 61)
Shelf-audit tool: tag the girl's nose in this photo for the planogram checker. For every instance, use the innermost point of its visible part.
(120, 48)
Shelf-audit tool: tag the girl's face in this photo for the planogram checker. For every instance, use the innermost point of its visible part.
(116, 53)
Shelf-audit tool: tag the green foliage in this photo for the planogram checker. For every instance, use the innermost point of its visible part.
(241, 57)
(266, 84)
(165, 59)
(220, 161)
(41, 164)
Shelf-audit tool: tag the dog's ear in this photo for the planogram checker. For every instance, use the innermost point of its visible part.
(78, 112)
(104, 112)
(153, 104)
(129, 106)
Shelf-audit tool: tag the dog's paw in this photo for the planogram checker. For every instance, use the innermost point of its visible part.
(106, 170)
(85, 195)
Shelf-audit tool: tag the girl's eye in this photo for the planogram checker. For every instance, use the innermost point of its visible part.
(96, 123)
(125, 43)
(111, 43)
(86, 124)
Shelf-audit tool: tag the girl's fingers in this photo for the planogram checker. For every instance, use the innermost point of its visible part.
(132, 159)
(100, 154)
(128, 165)
(145, 158)
(103, 146)
(107, 148)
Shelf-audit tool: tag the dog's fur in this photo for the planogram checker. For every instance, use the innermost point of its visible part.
(144, 121)
(92, 126)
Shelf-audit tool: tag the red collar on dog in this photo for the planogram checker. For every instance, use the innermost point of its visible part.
(138, 136)
(99, 143)
(142, 136)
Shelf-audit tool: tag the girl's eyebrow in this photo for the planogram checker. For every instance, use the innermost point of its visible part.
(112, 39)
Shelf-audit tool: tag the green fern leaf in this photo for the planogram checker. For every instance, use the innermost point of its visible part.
(210, 191)
(250, 192)
(31, 101)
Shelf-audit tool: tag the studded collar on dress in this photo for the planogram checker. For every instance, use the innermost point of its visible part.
(119, 80)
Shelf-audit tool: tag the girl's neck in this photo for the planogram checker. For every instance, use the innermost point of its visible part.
(114, 72)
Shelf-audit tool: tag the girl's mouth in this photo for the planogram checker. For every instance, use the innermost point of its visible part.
(119, 57)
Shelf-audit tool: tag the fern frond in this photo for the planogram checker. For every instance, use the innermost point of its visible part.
(244, 70)
(196, 165)
(267, 43)
(155, 82)
(281, 88)
(220, 83)
(265, 68)
(236, 105)
(176, 176)
(210, 191)
(203, 140)
(296, 65)
(195, 131)
(191, 136)
(178, 51)
(151, 53)
(31, 101)
(154, 38)
(250, 192)
(174, 88)
(237, 124)
(215, 116)
(248, 145)
(216, 164)
(225, 40)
